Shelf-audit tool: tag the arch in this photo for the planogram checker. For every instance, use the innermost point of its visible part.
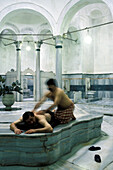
(43, 27)
(10, 27)
(71, 9)
(31, 6)
(8, 39)
(28, 71)
(95, 13)
(7, 30)
(99, 11)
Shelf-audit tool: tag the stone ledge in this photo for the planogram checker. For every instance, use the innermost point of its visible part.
(46, 148)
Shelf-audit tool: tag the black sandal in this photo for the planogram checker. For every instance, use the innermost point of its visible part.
(93, 148)
(97, 158)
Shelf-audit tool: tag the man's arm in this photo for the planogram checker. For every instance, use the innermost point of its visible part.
(14, 128)
(47, 127)
(50, 108)
(40, 102)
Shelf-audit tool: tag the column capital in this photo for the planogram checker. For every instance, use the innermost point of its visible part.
(38, 45)
(18, 45)
(58, 41)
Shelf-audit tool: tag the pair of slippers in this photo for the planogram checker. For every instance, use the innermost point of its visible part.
(97, 157)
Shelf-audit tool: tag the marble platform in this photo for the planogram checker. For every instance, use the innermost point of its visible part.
(46, 148)
(80, 158)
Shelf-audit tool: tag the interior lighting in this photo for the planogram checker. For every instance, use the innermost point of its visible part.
(28, 48)
(88, 38)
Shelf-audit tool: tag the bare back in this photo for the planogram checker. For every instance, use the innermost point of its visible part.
(60, 98)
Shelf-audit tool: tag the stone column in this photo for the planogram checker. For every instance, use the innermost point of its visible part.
(37, 73)
(58, 40)
(18, 67)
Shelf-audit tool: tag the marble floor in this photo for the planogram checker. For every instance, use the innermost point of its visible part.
(80, 158)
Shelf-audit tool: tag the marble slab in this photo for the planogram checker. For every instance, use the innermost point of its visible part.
(46, 148)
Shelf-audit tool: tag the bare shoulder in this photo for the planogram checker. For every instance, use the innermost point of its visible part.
(18, 121)
(60, 91)
(39, 117)
(42, 119)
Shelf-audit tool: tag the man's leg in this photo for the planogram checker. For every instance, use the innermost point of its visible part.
(65, 116)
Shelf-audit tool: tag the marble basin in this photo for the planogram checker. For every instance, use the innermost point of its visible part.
(41, 149)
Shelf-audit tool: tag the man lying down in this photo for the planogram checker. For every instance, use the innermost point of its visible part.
(33, 122)
(46, 120)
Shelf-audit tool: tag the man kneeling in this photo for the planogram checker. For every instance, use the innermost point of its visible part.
(32, 123)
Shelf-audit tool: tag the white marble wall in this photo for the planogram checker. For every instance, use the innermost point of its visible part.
(7, 58)
(77, 57)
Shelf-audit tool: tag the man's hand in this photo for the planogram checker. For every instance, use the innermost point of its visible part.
(40, 112)
(30, 131)
(18, 131)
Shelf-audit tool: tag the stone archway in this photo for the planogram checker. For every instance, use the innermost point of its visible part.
(27, 6)
(72, 8)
